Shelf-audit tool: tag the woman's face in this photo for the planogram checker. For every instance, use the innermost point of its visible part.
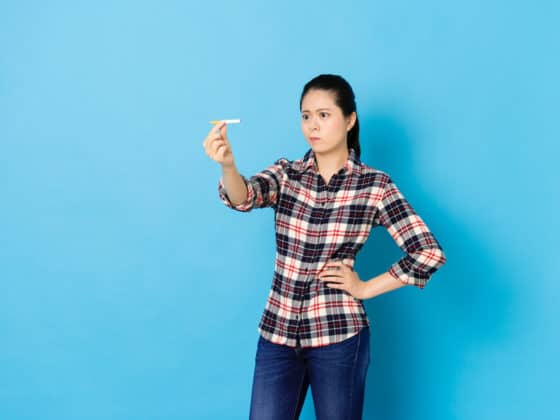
(322, 122)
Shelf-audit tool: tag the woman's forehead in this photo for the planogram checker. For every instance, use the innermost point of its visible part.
(316, 100)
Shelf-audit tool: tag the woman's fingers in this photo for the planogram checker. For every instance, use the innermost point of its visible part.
(330, 274)
(216, 145)
(214, 133)
(220, 130)
(221, 150)
(217, 133)
(334, 281)
(334, 272)
(213, 141)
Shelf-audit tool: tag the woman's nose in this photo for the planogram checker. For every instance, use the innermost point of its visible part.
(313, 125)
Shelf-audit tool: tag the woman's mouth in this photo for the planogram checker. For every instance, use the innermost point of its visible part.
(314, 138)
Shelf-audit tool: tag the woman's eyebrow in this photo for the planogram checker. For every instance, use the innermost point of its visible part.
(318, 109)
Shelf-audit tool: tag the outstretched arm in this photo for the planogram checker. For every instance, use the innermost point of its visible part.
(234, 184)
(218, 148)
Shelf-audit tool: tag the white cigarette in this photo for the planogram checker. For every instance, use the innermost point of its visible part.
(226, 121)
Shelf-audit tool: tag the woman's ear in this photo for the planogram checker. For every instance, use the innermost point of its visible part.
(351, 121)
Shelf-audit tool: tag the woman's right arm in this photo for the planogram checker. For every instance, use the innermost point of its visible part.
(234, 185)
(217, 147)
(237, 192)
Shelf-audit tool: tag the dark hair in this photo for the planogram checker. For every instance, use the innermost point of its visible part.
(344, 98)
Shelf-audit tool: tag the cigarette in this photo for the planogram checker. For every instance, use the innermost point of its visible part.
(226, 121)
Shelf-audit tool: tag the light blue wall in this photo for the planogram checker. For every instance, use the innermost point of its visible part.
(129, 291)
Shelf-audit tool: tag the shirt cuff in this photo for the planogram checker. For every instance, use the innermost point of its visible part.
(397, 272)
(243, 206)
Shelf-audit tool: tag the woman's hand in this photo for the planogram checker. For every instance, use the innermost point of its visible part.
(340, 275)
(217, 147)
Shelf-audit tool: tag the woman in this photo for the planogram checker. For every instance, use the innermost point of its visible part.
(314, 330)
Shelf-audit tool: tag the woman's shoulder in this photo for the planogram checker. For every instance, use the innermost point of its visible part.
(298, 164)
(374, 173)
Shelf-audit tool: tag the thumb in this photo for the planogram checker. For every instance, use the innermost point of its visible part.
(218, 128)
(223, 129)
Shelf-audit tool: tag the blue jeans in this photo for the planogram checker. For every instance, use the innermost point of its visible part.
(336, 373)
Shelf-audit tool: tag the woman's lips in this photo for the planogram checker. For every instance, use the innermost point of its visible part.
(314, 138)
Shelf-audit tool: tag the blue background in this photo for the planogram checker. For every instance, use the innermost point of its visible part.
(129, 291)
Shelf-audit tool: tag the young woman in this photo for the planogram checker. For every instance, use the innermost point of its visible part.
(314, 330)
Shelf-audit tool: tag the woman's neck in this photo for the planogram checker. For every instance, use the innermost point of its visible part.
(330, 163)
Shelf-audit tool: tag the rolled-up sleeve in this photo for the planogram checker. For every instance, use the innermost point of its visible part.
(424, 255)
(263, 188)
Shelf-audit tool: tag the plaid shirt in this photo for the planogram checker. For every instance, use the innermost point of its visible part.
(316, 223)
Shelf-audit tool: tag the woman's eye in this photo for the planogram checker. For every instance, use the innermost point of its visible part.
(304, 117)
(324, 114)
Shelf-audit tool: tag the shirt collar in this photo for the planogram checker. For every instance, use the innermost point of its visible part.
(352, 165)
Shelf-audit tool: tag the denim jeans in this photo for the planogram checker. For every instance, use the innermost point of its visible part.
(336, 374)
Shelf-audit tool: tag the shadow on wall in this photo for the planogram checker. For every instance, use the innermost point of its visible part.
(423, 340)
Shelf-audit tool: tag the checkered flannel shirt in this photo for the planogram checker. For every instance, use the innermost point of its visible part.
(316, 223)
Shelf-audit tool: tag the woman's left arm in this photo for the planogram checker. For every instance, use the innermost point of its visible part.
(423, 253)
(340, 275)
